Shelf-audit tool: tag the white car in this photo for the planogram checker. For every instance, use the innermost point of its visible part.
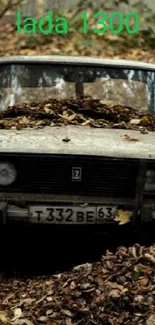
(76, 174)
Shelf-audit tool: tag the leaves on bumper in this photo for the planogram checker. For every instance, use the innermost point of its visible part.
(123, 217)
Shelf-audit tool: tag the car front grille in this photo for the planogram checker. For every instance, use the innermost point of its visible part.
(41, 173)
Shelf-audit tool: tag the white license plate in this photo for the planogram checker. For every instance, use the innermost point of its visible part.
(71, 214)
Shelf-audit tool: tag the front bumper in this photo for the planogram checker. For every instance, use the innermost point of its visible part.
(10, 212)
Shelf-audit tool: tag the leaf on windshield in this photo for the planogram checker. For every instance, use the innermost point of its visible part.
(123, 217)
(3, 316)
(135, 121)
(76, 111)
(22, 321)
(17, 313)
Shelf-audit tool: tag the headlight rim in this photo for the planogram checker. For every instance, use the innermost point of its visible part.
(13, 175)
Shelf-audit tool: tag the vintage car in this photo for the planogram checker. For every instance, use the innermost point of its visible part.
(71, 174)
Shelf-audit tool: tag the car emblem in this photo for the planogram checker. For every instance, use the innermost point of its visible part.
(76, 174)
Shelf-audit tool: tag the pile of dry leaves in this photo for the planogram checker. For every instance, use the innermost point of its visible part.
(84, 111)
(120, 289)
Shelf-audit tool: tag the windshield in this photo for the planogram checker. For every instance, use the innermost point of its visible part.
(37, 82)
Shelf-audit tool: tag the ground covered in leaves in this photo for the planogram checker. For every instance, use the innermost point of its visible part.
(85, 111)
(119, 289)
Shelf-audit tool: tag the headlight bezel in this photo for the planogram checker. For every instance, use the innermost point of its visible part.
(11, 173)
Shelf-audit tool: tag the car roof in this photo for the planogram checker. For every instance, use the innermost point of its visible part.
(77, 60)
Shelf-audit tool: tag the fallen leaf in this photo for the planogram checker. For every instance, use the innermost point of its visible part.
(67, 312)
(50, 292)
(135, 121)
(123, 217)
(72, 117)
(43, 319)
(86, 123)
(127, 137)
(47, 110)
(82, 266)
(151, 320)
(134, 252)
(22, 321)
(28, 301)
(23, 120)
(139, 299)
(135, 275)
(49, 298)
(100, 281)
(3, 315)
(138, 314)
(85, 285)
(145, 120)
(115, 285)
(150, 258)
(17, 314)
(48, 105)
(115, 293)
(69, 321)
(49, 312)
(141, 268)
(72, 285)
(143, 281)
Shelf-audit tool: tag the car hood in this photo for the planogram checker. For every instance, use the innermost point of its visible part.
(82, 140)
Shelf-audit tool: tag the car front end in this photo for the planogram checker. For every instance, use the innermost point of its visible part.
(75, 174)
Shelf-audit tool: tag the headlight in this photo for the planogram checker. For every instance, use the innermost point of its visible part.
(150, 181)
(8, 173)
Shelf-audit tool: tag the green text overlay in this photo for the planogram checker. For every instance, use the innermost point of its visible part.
(60, 25)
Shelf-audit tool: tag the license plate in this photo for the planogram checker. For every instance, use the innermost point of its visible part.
(71, 214)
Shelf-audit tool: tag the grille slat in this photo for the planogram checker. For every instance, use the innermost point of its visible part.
(53, 174)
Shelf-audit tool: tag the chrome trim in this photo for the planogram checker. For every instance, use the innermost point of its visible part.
(76, 60)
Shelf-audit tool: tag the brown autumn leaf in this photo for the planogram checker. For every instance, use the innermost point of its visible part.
(151, 319)
(129, 138)
(67, 312)
(43, 319)
(27, 301)
(72, 285)
(142, 268)
(150, 258)
(100, 281)
(69, 321)
(115, 285)
(143, 281)
(115, 293)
